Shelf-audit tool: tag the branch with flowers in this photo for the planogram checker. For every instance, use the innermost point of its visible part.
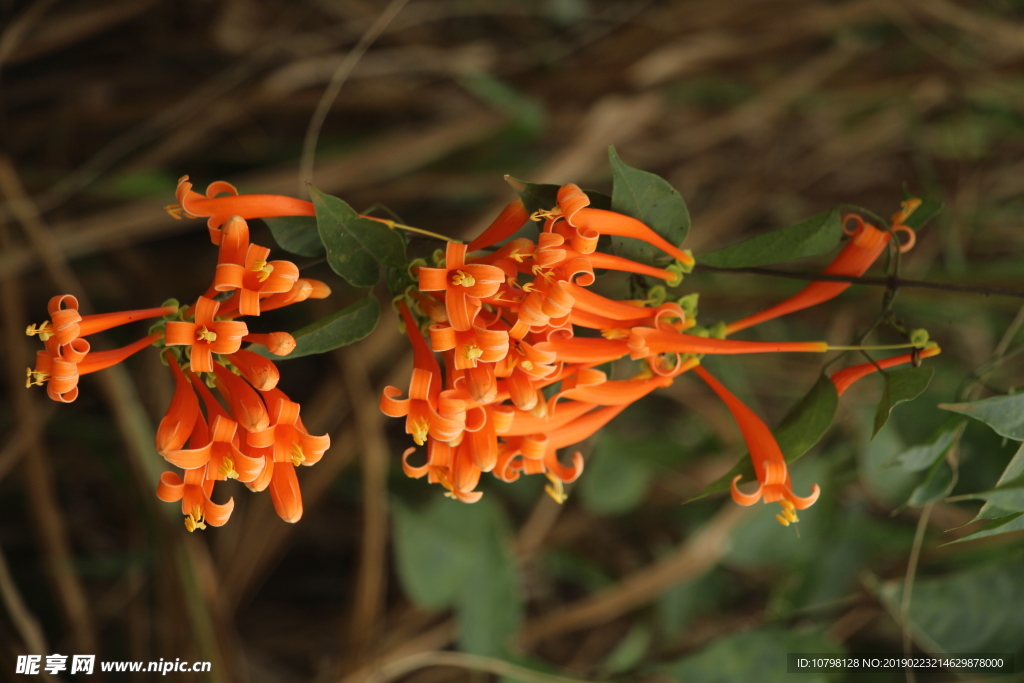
(522, 346)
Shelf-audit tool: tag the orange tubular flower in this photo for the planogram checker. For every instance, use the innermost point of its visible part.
(258, 370)
(291, 442)
(285, 492)
(66, 324)
(428, 410)
(219, 209)
(572, 202)
(61, 373)
(206, 336)
(177, 422)
(194, 493)
(847, 376)
(865, 246)
(508, 222)
(247, 408)
(217, 445)
(648, 341)
(473, 346)
(770, 466)
(277, 343)
(464, 285)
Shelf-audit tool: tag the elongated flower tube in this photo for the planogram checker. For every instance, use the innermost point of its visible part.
(508, 222)
(648, 341)
(864, 247)
(611, 223)
(220, 208)
(177, 422)
(66, 324)
(258, 370)
(844, 378)
(769, 464)
(285, 492)
(277, 343)
(60, 373)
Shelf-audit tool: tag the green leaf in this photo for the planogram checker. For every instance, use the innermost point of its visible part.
(629, 652)
(489, 604)
(928, 210)
(936, 486)
(1005, 414)
(1013, 470)
(649, 199)
(901, 385)
(356, 247)
(801, 428)
(1009, 497)
(544, 196)
(616, 480)
(757, 655)
(338, 329)
(924, 456)
(996, 526)
(297, 234)
(451, 555)
(967, 611)
(811, 237)
(432, 555)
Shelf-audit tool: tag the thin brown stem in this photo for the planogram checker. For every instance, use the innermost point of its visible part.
(891, 282)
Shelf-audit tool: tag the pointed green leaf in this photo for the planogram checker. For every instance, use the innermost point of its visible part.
(297, 235)
(966, 611)
(649, 199)
(928, 210)
(1013, 470)
(1005, 414)
(801, 428)
(340, 328)
(924, 456)
(811, 237)
(996, 526)
(901, 385)
(451, 555)
(356, 247)
(1008, 497)
(616, 480)
(754, 655)
(544, 196)
(936, 486)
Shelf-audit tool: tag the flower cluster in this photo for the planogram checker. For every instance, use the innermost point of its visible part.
(250, 430)
(522, 335)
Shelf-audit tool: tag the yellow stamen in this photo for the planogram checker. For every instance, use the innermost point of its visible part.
(194, 520)
(782, 520)
(176, 212)
(263, 268)
(527, 364)
(462, 278)
(34, 378)
(204, 334)
(555, 489)
(544, 214)
(298, 457)
(906, 208)
(471, 351)
(420, 427)
(539, 270)
(615, 333)
(45, 331)
(516, 256)
(227, 469)
(529, 287)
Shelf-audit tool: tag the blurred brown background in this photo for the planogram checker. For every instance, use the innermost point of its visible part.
(760, 113)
